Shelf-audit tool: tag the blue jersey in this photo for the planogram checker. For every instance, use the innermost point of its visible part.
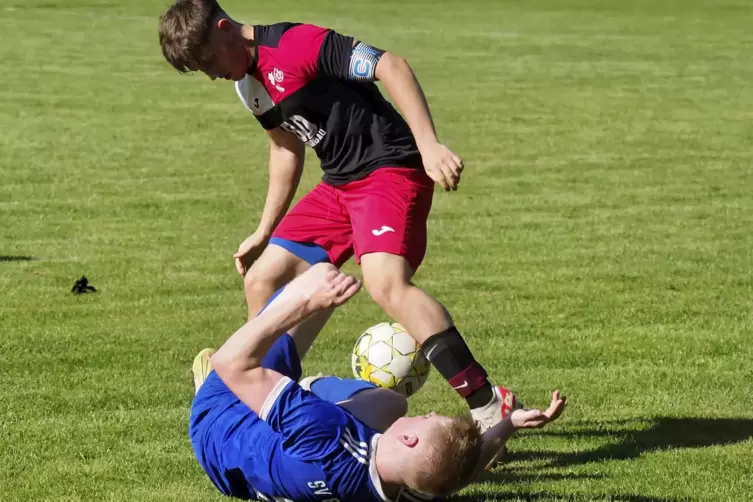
(301, 448)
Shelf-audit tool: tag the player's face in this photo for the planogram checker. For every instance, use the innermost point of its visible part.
(225, 55)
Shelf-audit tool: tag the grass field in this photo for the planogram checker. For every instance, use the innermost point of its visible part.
(601, 242)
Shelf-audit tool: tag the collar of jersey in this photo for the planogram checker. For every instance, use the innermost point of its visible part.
(373, 473)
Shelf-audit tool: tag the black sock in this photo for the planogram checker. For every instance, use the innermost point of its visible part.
(450, 355)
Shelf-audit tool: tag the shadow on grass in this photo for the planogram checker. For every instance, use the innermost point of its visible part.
(630, 439)
(533, 497)
(663, 434)
(15, 258)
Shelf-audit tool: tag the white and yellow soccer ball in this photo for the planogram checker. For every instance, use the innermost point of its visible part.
(387, 356)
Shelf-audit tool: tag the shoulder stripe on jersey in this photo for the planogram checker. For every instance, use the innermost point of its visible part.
(272, 397)
(357, 455)
(352, 440)
(352, 447)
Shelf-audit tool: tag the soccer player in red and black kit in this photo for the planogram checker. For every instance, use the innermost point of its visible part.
(308, 85)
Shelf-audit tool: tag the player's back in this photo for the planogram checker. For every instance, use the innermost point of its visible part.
(305, 449)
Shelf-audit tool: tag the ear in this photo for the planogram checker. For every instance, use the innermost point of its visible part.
(224, 24)
(409, 440)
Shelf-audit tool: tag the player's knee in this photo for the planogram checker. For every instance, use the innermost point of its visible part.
(323, 267)
(398, 405)
(391, 405)
(258, 288)
(385, 290)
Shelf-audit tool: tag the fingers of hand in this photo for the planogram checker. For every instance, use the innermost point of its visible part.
(438, 176)
(557, 405)
(458, 162)
(451, 173)
(354, 286)
(341, 287)
(344, 283)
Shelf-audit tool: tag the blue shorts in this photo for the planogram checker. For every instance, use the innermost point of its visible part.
(310, 253)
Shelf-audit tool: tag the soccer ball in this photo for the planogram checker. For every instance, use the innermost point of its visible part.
(386, 355)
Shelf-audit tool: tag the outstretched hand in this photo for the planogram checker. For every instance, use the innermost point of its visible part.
(534, 419)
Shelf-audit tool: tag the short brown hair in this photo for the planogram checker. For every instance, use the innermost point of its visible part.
(183, 29)
(453, 461)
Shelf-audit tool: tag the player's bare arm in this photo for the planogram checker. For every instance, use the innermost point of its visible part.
(238, 361)
(497, 436)
(286, 156)
(441, 164)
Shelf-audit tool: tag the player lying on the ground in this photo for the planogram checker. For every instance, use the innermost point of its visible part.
(309, 85)
(258, 434)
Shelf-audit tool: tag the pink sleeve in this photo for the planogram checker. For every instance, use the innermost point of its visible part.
(302, 45)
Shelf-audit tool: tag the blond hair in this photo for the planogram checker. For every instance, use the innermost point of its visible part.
(454, 455)
(184, 29)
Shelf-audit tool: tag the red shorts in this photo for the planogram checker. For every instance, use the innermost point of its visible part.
(385, 212)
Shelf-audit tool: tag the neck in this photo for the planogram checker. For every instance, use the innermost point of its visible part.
(388, 469)
(247, 32)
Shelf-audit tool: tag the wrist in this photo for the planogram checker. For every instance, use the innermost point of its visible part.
(426, 141)
(265, 230)
(290, 306)
(512, 426)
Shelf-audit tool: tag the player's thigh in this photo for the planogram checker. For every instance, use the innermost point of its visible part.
(389, 211)
(283, 358)
(276, 267)
(306, 332)
(319, 218)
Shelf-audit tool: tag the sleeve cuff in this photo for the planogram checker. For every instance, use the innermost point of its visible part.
(273, 396)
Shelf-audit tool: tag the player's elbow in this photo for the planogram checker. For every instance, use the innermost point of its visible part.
(230, 368)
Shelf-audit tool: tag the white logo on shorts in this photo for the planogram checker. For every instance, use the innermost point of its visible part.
(382, 230)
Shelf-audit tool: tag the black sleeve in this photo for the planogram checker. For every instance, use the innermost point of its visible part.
(344, 58)
(270, 34)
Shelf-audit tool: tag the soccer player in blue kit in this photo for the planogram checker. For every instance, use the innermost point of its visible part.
(259, 434)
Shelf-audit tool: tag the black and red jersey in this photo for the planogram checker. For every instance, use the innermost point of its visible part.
(305, 80)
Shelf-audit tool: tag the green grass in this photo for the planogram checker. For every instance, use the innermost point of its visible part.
(600, 243)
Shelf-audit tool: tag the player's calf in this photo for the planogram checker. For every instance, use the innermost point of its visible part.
(388, 279)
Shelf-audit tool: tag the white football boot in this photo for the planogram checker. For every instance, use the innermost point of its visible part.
(201, 368)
